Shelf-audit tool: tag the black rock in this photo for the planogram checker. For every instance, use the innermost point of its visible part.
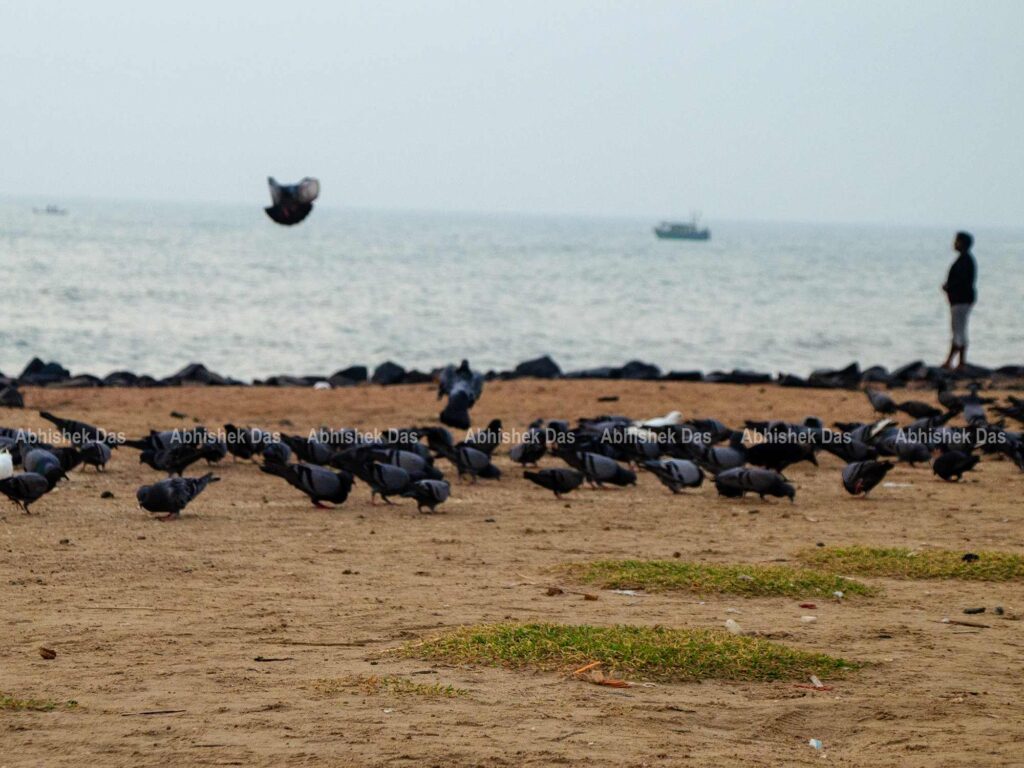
(10, 397)
(38, 373)
(684, 376)
(197, 373)
(81, 381)
(845, 378)
(388, 373)
(738, 377)
(914, 371)
(540, 368)
(792, 380)
(593, 373)
(1011, 370)
(354, 374)
(876, 374)
(640, 371)
(121, 379)
(416, 377)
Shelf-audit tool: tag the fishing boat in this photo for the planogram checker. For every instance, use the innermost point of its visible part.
(675, 230)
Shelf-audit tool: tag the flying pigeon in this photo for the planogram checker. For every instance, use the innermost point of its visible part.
(292, 202)
(172, 495)
(463, 387)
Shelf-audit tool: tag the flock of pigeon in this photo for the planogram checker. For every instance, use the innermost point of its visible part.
(605, 450)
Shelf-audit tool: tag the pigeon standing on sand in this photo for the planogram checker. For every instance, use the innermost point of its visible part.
(600, 469)
(25, 489)
(428, 493)
(918, 410)
(532, 448)
(474, 462)
(676, 474)
(317, 482)
(559, 480)
(292, 202)
(78, 432)
(173, 460)
(385, 480)
(42, 462)
(95, 454)
(860, 477)
(172, 495)
(951, 465)
(463, 387)
(735, 483)
(880, 401)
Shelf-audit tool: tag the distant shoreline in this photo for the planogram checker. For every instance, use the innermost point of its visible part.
(53, 375)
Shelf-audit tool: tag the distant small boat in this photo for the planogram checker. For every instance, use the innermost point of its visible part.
(674, 230)
(51, 210)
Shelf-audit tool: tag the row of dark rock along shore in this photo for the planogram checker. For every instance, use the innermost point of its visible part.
(52, 374)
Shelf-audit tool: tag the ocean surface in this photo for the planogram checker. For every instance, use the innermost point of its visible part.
(150, 287)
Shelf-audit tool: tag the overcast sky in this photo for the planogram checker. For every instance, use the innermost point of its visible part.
(908, 112)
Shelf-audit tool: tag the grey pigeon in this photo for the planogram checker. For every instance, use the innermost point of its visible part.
(172, 495)
(472, 461)
(735, 483)
(319, 483)
(95, 454)
(42, 462)
(25, 489)
(860, 477)
(600, 469)
(676, 474)
(880, 401)
(428, 493)
(386, 480)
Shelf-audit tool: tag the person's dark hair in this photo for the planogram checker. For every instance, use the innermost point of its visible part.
(965, 239)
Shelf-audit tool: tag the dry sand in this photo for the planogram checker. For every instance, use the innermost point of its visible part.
(151, 616)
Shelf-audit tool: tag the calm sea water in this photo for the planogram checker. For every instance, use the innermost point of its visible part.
(152, 286)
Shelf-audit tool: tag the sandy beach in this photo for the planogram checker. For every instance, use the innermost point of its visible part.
(249, 622)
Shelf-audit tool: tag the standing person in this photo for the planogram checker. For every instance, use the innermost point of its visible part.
(960, 291)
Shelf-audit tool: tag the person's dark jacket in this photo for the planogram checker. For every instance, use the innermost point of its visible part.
(959, 285)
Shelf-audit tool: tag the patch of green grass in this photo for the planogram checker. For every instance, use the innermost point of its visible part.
(701, 578)
(387, 684)
(11, 704)
(910, 564)
(656, 653)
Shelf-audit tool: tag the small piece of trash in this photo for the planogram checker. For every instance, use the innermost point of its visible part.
(838, 594)
(816, 682)
(733, 626)
(972, 611)
(808, 619)
(48, 653)
(388, 710)
(816, 743)
(812, 606)
(630, 592)
(745, 577)
(970, 557)
(552, 591)
(897, 485)
(591, 674)
(733, 610)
